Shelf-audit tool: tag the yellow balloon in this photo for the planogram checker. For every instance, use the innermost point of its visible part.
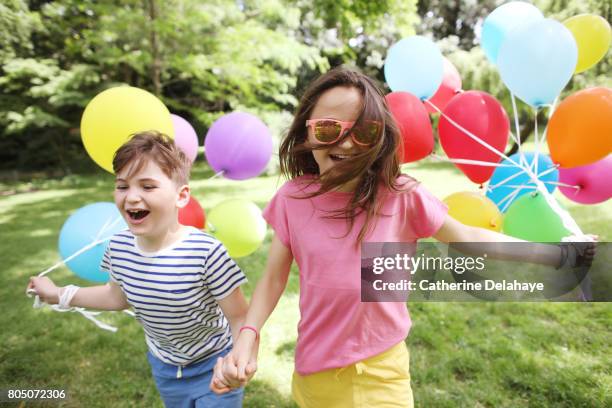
(115, 114)
(239, 225)
(593, 36)
(474, 209)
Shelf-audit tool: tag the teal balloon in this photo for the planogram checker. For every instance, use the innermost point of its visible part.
(414, 64)
(502, 21)
(530, 218)
(87, 225)
(537, 60)
(520, 177)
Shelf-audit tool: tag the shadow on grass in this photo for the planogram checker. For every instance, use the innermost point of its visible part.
(286, 349)
(259, 394)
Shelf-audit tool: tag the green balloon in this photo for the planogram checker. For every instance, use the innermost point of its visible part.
(239, 225)
(531, 218)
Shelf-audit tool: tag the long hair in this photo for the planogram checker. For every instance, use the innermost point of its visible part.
(376, 167)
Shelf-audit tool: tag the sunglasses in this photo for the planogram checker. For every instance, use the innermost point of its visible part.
(328, 131)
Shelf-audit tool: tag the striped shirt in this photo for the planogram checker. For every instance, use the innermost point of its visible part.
(174, 293)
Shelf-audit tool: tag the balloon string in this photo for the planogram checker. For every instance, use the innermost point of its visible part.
(74, 255)
(84, 312)
(517, 127)
(544, 173)
(473, 162)
(218, 174)
(107, 226)
(537, 141)
(472, 136)
(510, 197)
(558, 183)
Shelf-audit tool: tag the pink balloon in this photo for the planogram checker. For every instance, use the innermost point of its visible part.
(450, 86)
(593, 180)
(185, 137)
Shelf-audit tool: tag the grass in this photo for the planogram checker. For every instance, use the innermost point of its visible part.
(462, 354)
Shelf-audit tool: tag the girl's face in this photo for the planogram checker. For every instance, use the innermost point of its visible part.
(340, 103)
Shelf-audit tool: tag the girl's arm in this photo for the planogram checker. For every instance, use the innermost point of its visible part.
(101, 297)
(464, 238)
(265, 297)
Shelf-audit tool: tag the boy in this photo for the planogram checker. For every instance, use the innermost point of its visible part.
(181, 283)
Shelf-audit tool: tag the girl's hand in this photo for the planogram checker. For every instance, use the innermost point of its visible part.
(44, 288)
(240, 364)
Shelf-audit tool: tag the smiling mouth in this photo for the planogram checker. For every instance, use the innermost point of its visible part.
(340, 157)
(137, 215)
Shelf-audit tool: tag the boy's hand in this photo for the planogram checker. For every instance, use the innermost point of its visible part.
(44, 288)
(218, 384)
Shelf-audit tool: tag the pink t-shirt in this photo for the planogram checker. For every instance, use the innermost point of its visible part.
(336, 329)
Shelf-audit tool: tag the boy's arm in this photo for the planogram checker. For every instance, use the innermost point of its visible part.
(234, 307)
(102, 297)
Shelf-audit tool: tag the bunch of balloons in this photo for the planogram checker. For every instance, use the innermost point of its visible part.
(536, 58)
(238, 146)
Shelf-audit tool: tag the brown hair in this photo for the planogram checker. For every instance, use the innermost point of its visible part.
(378, 166)
(156, 146)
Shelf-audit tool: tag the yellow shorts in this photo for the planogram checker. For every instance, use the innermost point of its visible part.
(379, 381)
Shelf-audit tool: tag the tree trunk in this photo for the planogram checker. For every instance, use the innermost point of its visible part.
(156, 66)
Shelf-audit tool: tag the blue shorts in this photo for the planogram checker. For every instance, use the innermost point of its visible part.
(192, 390)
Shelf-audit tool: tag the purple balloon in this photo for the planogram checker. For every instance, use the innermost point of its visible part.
(239, 145)
(593, 180)
(185, 137)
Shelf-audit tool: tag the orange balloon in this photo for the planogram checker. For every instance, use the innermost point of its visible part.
(580, 129)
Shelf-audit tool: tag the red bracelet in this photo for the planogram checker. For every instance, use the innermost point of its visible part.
(250, 328)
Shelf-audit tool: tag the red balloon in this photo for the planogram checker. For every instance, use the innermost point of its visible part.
(483, 116)
(415, 127)
(192, 214)
(450, 86)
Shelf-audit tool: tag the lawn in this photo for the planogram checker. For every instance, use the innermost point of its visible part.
(462, 354)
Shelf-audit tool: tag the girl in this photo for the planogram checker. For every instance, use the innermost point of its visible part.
(344, 188)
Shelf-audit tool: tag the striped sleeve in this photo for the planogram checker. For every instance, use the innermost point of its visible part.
(221, 274)
(106, 264)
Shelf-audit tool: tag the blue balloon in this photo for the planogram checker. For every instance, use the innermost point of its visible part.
(498, 194)
(537, 60)
(414, 64)
(87, 225)
(502, 21)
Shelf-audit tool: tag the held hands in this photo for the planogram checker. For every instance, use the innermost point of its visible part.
(238, 367)
(44, 288)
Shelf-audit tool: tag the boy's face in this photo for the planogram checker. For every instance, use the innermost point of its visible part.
(149, 200)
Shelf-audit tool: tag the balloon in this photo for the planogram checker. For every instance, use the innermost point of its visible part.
(593, 180)
(239, 145)
(593, 36)
(87, 225)
(450, 86)
(413, 121)
(483, 116)
(537, 60)
(192, 214)
(503, 20)
(414, 64)
(500, 193)
(113, 115)
(474, 209)
(185, 137)
(579, 130)
(239, 225)
(530, 218)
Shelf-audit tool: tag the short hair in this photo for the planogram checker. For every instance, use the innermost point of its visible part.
(156, 146)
